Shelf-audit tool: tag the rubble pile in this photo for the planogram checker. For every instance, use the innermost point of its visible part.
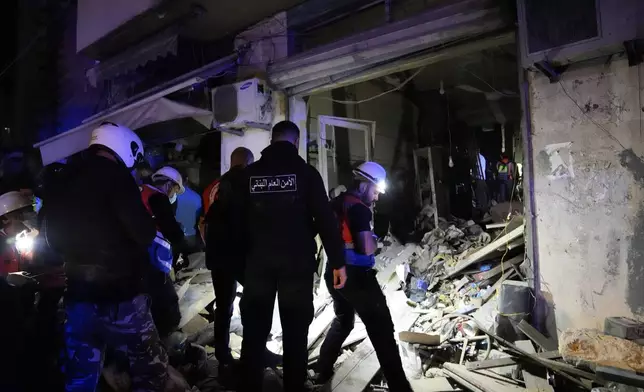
(461, 307)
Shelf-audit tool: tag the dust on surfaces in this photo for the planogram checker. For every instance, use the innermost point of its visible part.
(543, 162)
(635, 260)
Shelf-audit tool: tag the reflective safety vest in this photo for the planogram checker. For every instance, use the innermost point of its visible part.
(344, 202)
(160, 250)
(503, 168)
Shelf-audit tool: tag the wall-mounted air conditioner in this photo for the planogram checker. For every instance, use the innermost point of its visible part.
(247, 104)
(560, 32)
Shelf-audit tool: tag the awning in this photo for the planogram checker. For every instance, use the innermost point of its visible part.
(134, 116)
(139, 111)
(387, 48)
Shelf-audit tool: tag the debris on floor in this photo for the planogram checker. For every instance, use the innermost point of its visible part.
(462, 311)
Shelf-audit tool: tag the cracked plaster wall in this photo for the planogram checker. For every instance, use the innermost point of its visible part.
(589, 193)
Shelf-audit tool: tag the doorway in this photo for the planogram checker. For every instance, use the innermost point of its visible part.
(362, 136)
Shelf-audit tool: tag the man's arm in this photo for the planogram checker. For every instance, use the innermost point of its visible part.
(130, 210)
(359, 217)
(166, 221)
(325, 220)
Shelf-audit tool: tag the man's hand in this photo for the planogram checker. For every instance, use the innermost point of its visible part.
(339, 277)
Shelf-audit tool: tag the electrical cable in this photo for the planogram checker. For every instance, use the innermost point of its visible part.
(488, 84)
(409, 79)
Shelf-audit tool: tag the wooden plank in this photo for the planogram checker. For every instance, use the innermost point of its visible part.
(533, 381)
(480, 254)
(537, 337)
(420, 338)
(320, 324)
(359, 333)
(362, 357)
(492, 272)
(509, 361)
(480, 381)
(352, 376)
(436, 384)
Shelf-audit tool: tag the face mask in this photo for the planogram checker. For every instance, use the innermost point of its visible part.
(173, 199)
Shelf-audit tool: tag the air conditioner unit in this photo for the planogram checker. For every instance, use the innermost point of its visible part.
(247, 104)
(560, 32)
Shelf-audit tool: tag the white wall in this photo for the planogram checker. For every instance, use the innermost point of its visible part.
(97, 18)
(590, 217)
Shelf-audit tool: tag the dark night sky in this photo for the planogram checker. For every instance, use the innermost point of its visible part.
(8, 18)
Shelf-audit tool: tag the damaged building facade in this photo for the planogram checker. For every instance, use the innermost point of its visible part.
(422, 87)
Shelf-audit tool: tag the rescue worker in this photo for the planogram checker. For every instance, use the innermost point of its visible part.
(157, 197)
(362, 293)
(505, 170)
(97, 222)
(13, 205)
(286, 205)
(224, 255)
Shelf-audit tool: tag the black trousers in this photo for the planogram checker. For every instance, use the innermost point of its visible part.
(164, 302)
(224, 282)
(294, 288)
(362, 294)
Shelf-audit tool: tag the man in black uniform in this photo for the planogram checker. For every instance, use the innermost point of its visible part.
(225, 246)
(286, 205)
(96, 220)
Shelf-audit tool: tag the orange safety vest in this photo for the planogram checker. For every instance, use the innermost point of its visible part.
(210, 195)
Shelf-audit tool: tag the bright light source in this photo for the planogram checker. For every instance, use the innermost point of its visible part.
(382, 186)
(24, 242)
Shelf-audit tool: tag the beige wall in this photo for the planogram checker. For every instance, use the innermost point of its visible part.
(588, 180)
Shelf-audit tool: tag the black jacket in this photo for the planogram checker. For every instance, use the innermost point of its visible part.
(225, 236)
(97, 221)
(286, 206)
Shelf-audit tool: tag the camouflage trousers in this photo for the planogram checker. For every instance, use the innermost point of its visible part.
(92, 328)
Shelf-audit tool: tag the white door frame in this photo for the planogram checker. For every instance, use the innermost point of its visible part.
(368, 127)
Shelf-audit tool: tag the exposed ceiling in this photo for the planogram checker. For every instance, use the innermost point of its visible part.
(482, 87)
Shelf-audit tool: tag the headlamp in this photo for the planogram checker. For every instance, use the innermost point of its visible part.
(382, 186)
(24, 242)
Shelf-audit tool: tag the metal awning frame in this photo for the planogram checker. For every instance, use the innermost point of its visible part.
(439, 27)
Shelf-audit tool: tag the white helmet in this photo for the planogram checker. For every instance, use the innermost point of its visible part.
(121, 140)
(13, 201)
(171, 174)
(372, 172)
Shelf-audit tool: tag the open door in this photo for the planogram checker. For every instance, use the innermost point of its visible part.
(362, 135)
